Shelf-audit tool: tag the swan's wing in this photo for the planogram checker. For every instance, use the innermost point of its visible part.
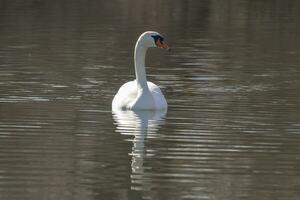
(158, 96)
(153, 88)
(125, 96)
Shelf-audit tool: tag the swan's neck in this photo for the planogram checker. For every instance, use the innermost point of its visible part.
(139, 64)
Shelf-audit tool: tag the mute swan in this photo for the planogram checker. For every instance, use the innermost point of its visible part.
(140, 94)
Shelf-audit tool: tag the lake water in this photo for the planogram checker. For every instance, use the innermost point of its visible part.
(232, 130)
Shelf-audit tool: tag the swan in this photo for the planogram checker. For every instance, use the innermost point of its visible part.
(141, 94)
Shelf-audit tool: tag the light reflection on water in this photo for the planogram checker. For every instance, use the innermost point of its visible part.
(142, 125)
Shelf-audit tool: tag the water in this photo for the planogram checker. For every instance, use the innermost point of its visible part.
(232, 82)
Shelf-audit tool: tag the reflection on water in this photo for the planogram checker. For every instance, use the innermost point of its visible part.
(207, 157)
(232, 85)
(142, 125)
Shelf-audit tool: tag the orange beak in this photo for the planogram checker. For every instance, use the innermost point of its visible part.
(162, 45)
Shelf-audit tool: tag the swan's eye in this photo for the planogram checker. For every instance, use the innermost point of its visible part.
(157, 38)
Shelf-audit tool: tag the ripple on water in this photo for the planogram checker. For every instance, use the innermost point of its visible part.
(232, 84)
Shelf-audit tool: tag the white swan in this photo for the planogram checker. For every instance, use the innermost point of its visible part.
(140, 94)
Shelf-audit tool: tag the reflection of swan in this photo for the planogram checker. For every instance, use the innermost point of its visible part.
(141, 124)
(140, 94)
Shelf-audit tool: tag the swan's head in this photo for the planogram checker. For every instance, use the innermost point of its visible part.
(153, 39)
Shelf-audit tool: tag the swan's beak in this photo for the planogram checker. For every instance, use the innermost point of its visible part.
(162, 45)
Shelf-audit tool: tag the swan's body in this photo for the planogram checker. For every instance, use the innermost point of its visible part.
(141, 94)
(130, 97)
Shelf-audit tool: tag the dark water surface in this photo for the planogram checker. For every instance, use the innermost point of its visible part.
(232, 82)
